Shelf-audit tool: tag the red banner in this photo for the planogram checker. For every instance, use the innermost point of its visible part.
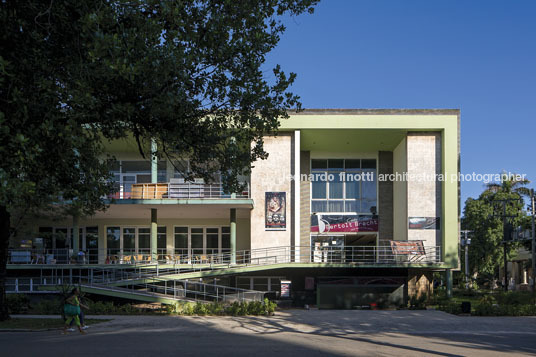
(343, 223)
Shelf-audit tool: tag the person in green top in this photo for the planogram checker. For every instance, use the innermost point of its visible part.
(72, 311)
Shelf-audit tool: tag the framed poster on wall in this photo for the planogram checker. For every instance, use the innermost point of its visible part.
(423, 223)
(275, 210)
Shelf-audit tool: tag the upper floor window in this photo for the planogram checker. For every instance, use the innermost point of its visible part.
(343, 185)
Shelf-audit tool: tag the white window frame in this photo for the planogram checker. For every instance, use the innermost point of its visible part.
(344, 199)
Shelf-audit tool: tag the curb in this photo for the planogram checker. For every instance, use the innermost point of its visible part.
(29, 330)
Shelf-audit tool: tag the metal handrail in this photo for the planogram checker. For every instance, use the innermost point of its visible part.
(285, 254)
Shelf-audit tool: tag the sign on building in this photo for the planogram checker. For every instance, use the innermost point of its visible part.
(343, 223)
(285, 288)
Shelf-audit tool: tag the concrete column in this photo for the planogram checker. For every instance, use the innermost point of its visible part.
(296, 198)
(154, 162)
(448, 276)
(233, 235)
(154, 230)
(76, 234)
(385, 196)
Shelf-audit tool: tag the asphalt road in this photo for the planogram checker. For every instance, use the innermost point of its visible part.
(291, 333)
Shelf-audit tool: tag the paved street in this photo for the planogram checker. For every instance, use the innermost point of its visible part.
(292, 333)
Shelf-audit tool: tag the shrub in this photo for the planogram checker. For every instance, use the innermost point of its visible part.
(236, 309)
(450, 307)
(200, 309)
(269, 307)
(17, 303)
(255, 308)
(188, 308)
(469, 293)
(488, 299)
(216, 308)
(485, 309)
(513, 298)
(48, 307)
(103, 308)
(418, 303)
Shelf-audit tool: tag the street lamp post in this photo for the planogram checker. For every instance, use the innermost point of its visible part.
(506, 234)
(466, 243)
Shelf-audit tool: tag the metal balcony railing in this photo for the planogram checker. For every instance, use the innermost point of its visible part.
(177, 190)
(215, 258)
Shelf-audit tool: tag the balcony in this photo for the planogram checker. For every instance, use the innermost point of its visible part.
(383, 255)
(176, 189)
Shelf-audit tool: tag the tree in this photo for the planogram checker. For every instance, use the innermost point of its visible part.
(185, 74)
(482, 217)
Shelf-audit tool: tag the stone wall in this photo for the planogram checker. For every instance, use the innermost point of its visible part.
(424, 196)
(272, 175)
(420, 282)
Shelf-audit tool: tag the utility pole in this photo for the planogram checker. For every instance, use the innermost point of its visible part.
(533, 241)
(505, 259)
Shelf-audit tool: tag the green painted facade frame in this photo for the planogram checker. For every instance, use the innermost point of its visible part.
(445, 121)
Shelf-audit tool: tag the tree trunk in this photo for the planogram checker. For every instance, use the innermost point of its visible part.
(5, 222)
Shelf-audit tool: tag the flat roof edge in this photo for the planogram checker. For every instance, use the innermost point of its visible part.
(334, 111)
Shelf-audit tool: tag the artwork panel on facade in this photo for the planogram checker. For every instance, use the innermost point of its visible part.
(423, 223)
(275, 210)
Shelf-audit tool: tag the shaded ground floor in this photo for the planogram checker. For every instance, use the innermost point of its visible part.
(326, 287)
(290, 333)
(341, 288)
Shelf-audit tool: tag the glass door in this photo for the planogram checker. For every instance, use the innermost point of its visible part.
(92, 244)
(129, 240)
(213, 240)
(181, 243)
(62, 245)
(144, 240)
(197, 243)
(62, 238)
(81, 239)
(126, 185)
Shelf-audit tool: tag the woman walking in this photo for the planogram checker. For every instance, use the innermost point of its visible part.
(71, 310)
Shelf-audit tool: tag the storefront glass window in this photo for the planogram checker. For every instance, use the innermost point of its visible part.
(144, 239)
(129, 240)
(161, 238)
(343, 186)
(113, 237)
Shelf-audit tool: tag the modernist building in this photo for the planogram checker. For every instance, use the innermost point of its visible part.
(350, 205)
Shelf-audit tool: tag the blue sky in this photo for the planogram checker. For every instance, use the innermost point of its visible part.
(478, 56)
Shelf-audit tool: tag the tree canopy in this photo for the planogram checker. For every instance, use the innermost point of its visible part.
(186, 74)
(483, 217)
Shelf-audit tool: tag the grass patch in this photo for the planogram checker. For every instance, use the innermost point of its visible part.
(39, 324)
